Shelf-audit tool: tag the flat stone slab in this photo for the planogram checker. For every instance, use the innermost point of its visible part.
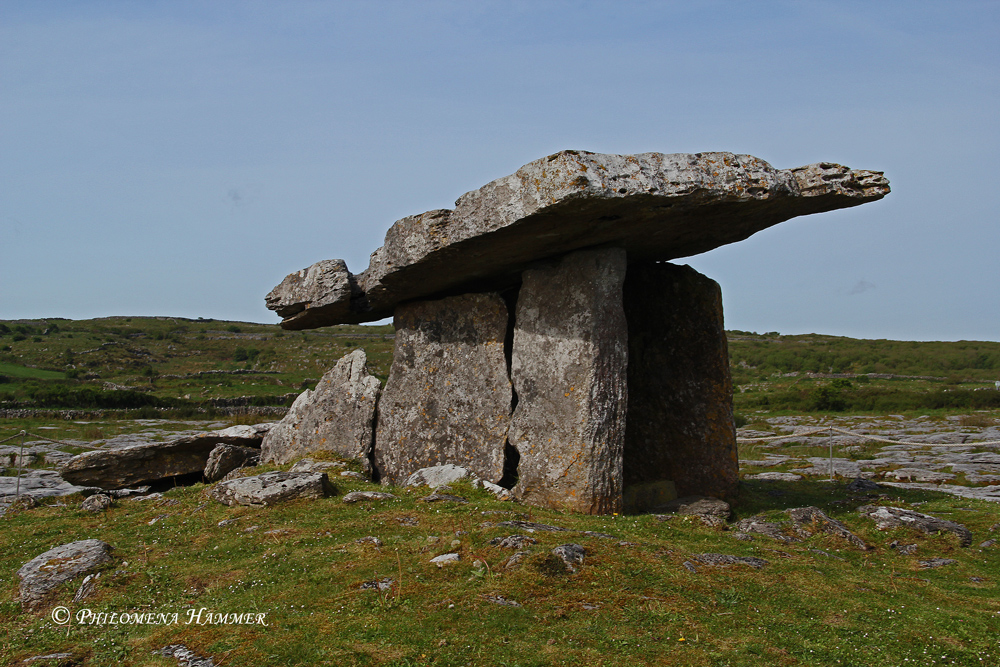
(272, 487)
(656, 206)
(45, 572)
(895, 517)
(130, 466)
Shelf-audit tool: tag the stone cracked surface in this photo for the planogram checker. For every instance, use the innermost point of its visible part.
(568, 367)
(655, 206)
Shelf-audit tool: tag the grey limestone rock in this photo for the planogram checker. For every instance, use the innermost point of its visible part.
(895, 517)
(366, 496)
(46, 571)
(813, 519)
(98, 502)
(272, 487)
(759, 526)
(435, 476)
(680, 405)
(321, 293)
(448, 396)
(572, 555)
(929, 563)
(336, 417)
(224, 458)
(568, 366)
(657, 206)
(513, 541)
(723, 560)
(117, 468)
(711, 511)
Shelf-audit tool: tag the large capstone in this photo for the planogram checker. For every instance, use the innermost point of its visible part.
(680, 407)
(448, 397)
(337, 417)
(656, 206)
(568, 367)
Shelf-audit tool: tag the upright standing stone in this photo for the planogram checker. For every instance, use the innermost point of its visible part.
(448, 397)
(337, 417)
(568, 367)
(680, 409)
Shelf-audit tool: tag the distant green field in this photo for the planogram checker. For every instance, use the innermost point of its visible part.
(13, 370)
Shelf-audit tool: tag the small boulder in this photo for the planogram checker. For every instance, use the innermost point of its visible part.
(445, 559)
(98, 502)
(711, 511)
(272, 487)
(513, 541)
(571, 555)
(45, 572)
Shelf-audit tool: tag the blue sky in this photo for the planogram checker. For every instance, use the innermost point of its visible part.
(180, 158)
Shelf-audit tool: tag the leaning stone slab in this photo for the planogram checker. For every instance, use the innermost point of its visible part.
(568, 367)
(448, 397)
(895, 517)
(46, 571)
(680, 406)
(271, 488)
(337, 417)
(118, 468)
(223, 459)
(656, 206)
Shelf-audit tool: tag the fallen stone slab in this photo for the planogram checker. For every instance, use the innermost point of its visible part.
(150, 462)
(223, 459)
(810, 520)
(895, 517)
(271, 488)
(444, 497)
(656, 206)
(335, 417)
(724, 560)
(45, 572)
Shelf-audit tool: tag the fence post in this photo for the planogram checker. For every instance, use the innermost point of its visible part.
(20, 464)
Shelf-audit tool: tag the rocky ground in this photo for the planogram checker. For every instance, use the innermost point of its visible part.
(959, 455)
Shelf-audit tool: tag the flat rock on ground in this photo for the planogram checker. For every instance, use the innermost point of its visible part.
(45, 572)
(895, 517)
(712, 511)
(272, 487)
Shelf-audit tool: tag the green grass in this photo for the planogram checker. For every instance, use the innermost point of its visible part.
(13, 370)
(633, 601)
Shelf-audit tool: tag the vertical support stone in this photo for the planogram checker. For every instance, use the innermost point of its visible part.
(568, 366)
(448, 396)
(680, 410)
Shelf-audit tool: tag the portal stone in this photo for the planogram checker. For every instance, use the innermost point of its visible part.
(680, 408)
(448, 396)
(337, 417)
(568, 367)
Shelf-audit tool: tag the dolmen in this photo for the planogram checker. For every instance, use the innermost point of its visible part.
(544, 341)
